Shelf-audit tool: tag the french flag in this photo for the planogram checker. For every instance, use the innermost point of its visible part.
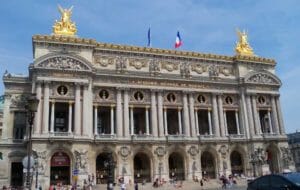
(178, 41)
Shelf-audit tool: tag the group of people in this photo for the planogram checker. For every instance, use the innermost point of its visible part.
(227, 182)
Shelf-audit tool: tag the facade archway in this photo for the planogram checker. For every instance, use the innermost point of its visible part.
(101, 168)
(176, 166)
(60, 168)
(142, 168)
(208, 165)
(236, 163)
(272, 159)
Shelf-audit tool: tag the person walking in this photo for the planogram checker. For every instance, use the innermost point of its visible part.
(136, 185)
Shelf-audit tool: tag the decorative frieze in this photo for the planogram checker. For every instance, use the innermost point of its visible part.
(169, 66)
(138, 63)
(63, 63)
(104, 61)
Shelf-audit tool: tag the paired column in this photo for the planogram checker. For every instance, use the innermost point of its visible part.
(160, 114)
(192, 114)
(274, 116)
(269, 121)
(237, 122)
(197, 122)
(87, 112)
(225, 123)
(209, 122)
(257, 125)
(221, 115)
(147, 121)
(131, 121)
(280, 118)
(244, 116)
(119, 114)
(165, 121)
(95, 120)
(77, 118)
(179, 121)
(186, 120)
(153, 114)
(46, 108)
(215, 116)
(112, 120)
(37, 123)
(52, 116)
(251, 117)
(70, 117)
(126, 114)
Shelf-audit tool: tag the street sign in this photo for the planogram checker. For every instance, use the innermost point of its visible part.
(25, 162)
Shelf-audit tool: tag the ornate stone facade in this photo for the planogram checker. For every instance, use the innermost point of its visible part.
(161, 113)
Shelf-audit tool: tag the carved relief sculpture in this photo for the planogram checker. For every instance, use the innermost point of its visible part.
(199, 68)
(185, 70)
(64, 63)
(138, 63)
(169, 66)
(154, 68)
(104, 61)
(41, 160)
(81, 160)
(121, 64)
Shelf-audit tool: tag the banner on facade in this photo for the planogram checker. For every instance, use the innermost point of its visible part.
(60, 159)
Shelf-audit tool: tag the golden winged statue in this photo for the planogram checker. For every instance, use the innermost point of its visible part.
(242, 46)
(65, 26)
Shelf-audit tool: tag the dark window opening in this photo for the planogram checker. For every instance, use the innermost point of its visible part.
(203, 122)
(19, 125)
(16, 174)
(61, 117)
(231, 122)
(172, 121)
(104, 125)
(139, 121)
(264, 121)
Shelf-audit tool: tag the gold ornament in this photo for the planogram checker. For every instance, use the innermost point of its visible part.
(65, 26)
(242, 46)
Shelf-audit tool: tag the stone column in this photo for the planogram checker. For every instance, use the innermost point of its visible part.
(95, 120)
(225, 123)
(215, 116)
(270, 123)
(85, 114)
(221, 115)
(274, 116)
(280, 118)
(192, 115)
(243, 114)
(70, 117)
(37, 122)
(119, 113)
(165, 121)
(46, 108)
(256, 117)
(52, 116)
(186, 122)
(131, 121)
(112, 123)
(160, 114)
(77, 118)
(126, 114)
(251, 117)
(237, 122)
(147, 120)
(153, 114)
(209, 121)
(197, 122)
(179, 121)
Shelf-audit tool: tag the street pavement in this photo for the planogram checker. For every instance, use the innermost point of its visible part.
(213, 185)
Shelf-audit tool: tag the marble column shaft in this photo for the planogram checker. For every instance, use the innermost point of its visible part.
(186, 121)
(251, 117)
(154, 114)
(257, 125)
(70, 117)
(147, 121)
(112, 120)
(215, 116)
(52, 119)
(77, 118)
(221, 116)
(280, 117)
(160, 114)
(46, 109)
(179, 121)
(274, 116)
(126, 114)
(192, 115)
(243, 115)
(119, 114)
(95, 120)
(37, 122)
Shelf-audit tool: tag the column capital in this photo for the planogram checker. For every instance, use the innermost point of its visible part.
(179, 108)
(147, 107)
(112, 105)
(71, 102)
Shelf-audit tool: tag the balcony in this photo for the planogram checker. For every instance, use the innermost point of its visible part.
(176, 138)
(105, 137)
(142, 138)
(236, 137)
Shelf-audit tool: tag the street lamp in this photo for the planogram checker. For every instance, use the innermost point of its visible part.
(110, 165)
(31, 108)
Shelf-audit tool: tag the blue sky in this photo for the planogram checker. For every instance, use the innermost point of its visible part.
(206, 26)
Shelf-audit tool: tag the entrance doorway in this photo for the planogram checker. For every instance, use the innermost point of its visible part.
(101, 168)
(272, 159)
(208, 165)
(236, 163)
(176, 166)
(60, 169)
(142, 168)
(16, 174)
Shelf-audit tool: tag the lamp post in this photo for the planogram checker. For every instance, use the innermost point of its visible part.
(110, 165)
(31, 108)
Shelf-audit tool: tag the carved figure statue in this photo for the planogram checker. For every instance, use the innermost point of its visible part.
(81, 160)
(65, 26)
(242, 46)
(41, 160)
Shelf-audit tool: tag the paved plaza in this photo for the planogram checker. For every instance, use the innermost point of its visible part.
(213, 185)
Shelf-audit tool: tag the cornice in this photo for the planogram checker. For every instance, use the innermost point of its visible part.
(146, 50)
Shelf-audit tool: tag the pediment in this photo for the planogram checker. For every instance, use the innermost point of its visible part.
(262, 77)
(63, 62)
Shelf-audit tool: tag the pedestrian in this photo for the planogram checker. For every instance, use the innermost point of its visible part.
(136, 186)
(123, 186)
(201, 183)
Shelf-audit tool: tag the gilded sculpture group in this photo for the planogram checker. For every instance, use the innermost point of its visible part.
(66, 27)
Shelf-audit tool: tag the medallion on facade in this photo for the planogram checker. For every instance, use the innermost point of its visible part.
(193, 151)
(226, 71)
(138, 63)
(169, 66)
(62, 90)
(160, 151)
(103, 94)
(124, 152)
(104, 61)
(199, 68)
(138, 96)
